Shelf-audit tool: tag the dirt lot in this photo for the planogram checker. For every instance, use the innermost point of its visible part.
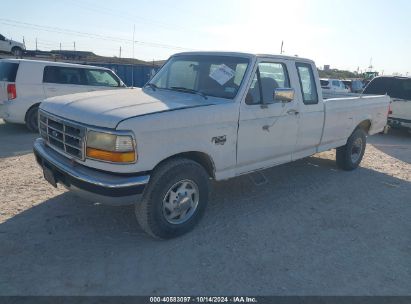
(310, 230)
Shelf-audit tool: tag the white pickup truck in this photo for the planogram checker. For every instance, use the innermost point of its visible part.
(203, 116)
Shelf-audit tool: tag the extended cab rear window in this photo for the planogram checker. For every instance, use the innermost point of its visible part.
(8, 71)
(307, 83)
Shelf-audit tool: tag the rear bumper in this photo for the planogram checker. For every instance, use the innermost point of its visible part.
(3, 111)
(91, 184)
(12, 111)
(399, 123)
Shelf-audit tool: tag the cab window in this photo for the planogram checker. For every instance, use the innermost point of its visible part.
(307, 83)
(268, 77)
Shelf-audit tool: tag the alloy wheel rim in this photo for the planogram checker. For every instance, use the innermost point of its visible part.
(181, 202)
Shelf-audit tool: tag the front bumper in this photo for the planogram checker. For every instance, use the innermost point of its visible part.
(91, 184)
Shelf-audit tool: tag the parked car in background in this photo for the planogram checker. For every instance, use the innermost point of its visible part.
(399, 89)
(334, 85)
(354, 85)
(11, 46)
(204, 115)
(24, 84)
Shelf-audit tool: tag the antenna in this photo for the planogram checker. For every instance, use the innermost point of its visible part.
(282, 44)
(132, 64)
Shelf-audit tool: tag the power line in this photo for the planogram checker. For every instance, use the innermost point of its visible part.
(86, 34)
(125, 15)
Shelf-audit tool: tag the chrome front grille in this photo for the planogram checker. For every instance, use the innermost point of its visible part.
(62, 134)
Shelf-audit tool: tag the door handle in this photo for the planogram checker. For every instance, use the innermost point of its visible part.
(292, 111)
(52, 89)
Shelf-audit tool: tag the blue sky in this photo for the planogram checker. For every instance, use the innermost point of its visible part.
(345, 34)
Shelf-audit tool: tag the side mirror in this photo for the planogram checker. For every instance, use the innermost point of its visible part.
(284, 95)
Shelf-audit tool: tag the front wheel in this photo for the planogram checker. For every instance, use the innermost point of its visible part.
(349, 157)
(175, 199)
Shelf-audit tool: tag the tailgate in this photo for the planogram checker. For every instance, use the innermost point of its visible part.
(401, 109)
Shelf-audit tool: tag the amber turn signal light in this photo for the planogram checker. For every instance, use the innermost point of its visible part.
(115, 157)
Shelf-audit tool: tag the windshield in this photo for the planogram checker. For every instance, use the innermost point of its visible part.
(211, 75)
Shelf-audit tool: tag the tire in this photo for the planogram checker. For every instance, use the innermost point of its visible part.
(17, 51)
(32, 119)
(152, 212)
(349, 157)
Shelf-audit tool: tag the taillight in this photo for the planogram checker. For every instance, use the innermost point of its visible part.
(11, 91)
(389, 109)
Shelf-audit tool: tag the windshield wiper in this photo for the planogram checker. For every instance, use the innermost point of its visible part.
(151, 85)
(187, 90)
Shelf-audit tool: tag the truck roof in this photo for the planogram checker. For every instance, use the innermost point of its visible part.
(57, 63)
(248, 55)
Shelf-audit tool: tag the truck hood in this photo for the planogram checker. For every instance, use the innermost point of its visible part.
(108, 108)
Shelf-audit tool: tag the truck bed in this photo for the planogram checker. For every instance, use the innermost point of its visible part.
(343, 114)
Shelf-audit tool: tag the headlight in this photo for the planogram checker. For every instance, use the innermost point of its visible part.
(110, 147)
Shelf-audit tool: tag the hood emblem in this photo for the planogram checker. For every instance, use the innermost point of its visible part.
(54, 133)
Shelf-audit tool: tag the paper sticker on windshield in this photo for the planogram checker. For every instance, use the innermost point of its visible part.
(222, 74)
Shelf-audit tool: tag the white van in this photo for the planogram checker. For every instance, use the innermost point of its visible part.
(24, 84)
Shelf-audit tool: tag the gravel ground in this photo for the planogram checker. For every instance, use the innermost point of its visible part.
(309, 230)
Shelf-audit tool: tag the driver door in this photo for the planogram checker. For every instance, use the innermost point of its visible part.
(267, 131)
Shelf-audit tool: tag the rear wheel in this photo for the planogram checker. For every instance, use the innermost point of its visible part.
(32, 119)
(175, 199)
(349, 157)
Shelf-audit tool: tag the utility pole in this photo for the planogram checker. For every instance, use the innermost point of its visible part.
(60, 46)
(74, 43)
(132, 64)
(120, 53)
(36, 44)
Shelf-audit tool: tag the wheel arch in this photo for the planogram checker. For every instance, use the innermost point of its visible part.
(365, 125)
(37, 104)
(201, 158)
